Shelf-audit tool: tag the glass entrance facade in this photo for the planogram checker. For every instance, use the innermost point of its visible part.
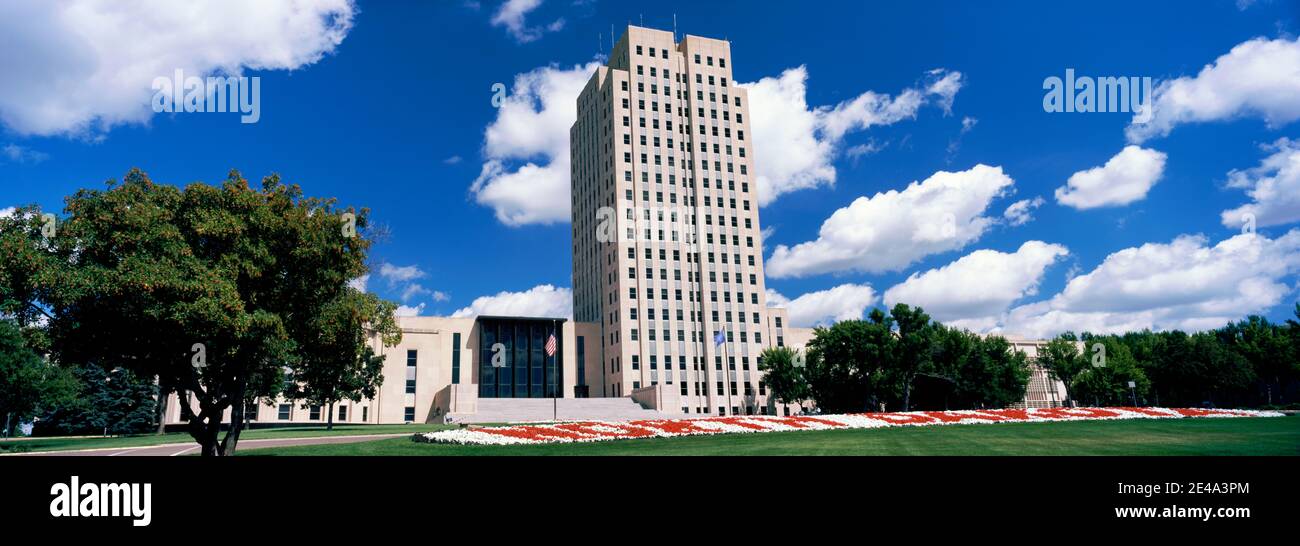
(512, 358)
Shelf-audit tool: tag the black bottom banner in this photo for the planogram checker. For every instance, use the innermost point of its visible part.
(323, 495)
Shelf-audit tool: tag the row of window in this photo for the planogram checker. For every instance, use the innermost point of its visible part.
(677, 273)
(703, 130)
(697, 335)
(665, 316)
(713, 295)
(697, 388)
(704, 148)
(284, 412)
(722, 62)
(695, 363)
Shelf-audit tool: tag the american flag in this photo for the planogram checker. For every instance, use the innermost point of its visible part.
(550, 345)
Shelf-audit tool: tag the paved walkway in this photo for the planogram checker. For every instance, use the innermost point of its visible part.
(171, 450)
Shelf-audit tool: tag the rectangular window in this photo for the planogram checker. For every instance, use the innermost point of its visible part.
(410, 386)
(409, 414)
(455, 358)
(343, 413)
(314, 414)
(284, 411)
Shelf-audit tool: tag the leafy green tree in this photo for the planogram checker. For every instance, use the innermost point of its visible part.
(1224, 376)
(337, 360)
(28, 384)
(1061, 358)
(845, 363)
(783, 375)
(1269, 351)
(910, 351)
(1293, 331)
(939, 385)
(974, 372)
(1167, 360)
(211, 289)
(997, 378)
(1107, 383)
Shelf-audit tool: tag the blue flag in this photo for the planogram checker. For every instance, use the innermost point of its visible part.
(720, 338)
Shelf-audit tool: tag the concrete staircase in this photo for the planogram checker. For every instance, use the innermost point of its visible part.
(512, 410)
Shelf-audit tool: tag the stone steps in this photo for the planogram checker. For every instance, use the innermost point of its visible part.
(513, 410)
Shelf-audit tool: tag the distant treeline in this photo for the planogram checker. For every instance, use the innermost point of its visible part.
(902, 360)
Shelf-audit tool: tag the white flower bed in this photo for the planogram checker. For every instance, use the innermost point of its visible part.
(597, 431)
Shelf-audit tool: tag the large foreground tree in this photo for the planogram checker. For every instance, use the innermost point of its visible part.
(210, 289)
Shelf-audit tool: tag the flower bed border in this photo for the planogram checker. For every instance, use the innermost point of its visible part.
(600, 431)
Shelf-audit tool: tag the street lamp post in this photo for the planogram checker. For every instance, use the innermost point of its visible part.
(1132, 387)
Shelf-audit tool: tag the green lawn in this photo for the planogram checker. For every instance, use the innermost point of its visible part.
(57, 443)
(1252, 436)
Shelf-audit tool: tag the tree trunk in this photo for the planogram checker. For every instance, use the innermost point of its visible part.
(204, 428)
(231, 441)
(329, 419)
(907, 395)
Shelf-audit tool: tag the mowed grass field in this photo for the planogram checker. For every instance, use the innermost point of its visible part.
(26, 445)
(1238, 436)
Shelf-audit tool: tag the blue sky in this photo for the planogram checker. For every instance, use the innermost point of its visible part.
(392, 112)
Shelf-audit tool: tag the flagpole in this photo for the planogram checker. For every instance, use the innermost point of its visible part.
(559, 373)
(726, 369)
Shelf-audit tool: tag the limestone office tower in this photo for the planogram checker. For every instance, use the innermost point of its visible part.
(666, 253)
(666, 239)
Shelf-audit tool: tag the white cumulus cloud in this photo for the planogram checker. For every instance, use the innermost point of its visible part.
(394, 273)
(1021, 212)
(795, 144)
(891, 230)
(409, 311)
(1186, 284)
(974, 290)
(540, 301)
(525, 174)
(1273, 186)
(1125, 178)
(80, 67)
(525, 178)
(823, 307)
(1257, 78)
(14, 153)
(512, 15)
(402, 279)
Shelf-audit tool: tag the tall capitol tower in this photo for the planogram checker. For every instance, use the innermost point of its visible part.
(667, 248)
